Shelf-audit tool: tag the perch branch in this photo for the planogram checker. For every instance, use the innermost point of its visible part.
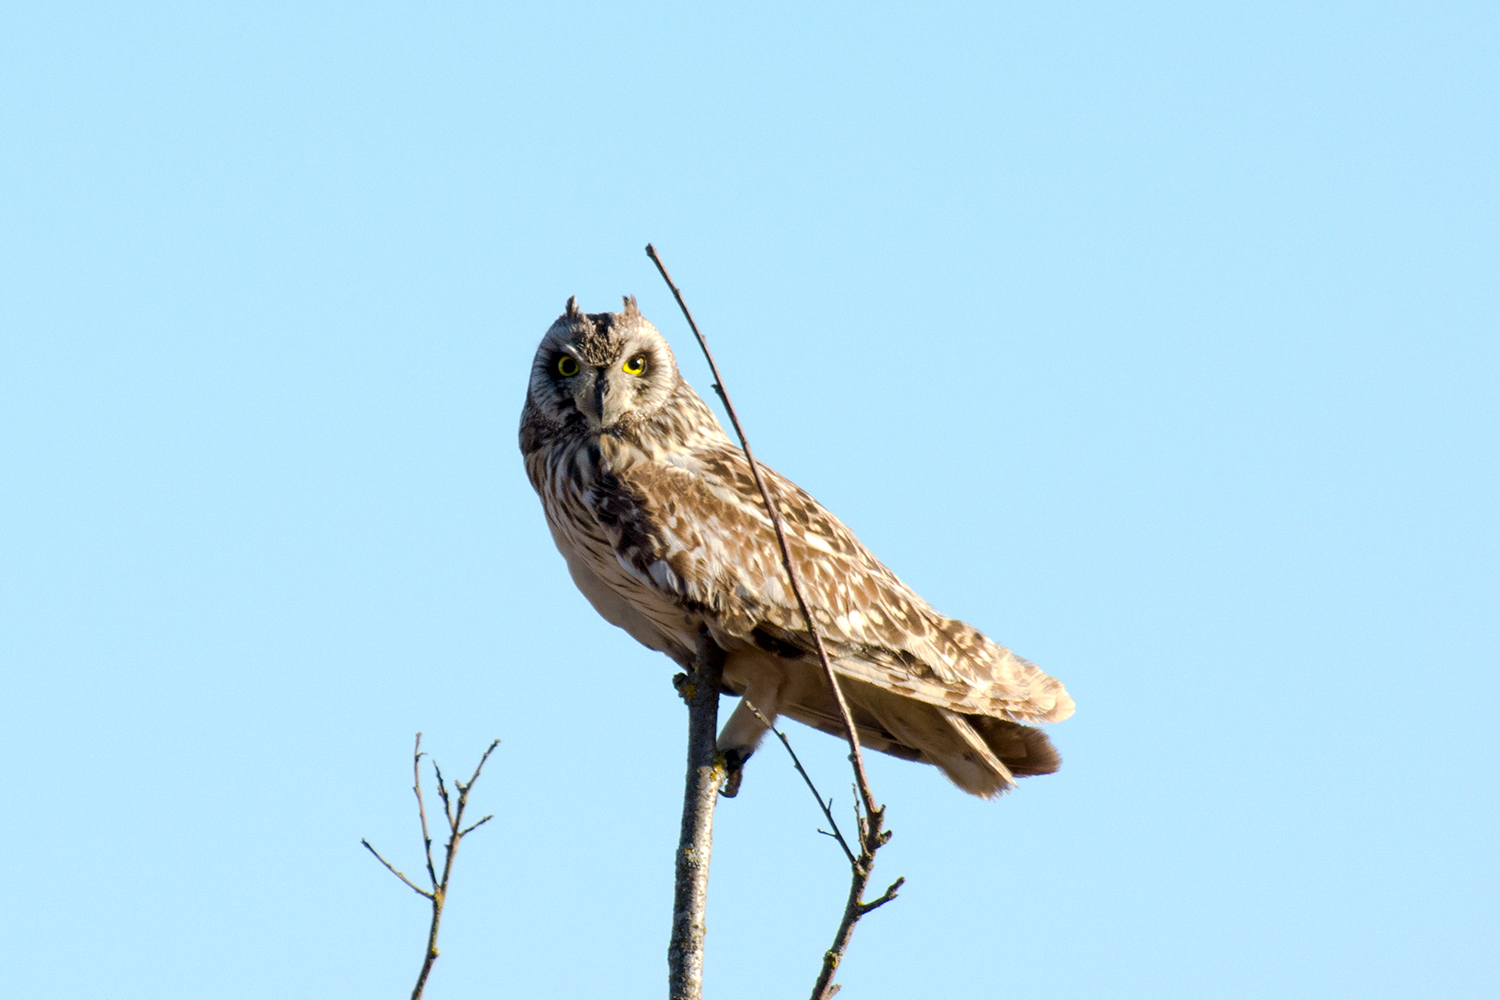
(872, 835)
(705, 772)
(456, 832)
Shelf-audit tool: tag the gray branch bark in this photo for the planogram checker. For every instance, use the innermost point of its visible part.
(705, 773)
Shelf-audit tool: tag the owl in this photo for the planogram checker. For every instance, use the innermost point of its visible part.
(663, 529)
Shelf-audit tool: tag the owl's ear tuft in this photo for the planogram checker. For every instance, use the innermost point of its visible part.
(632, 311)
(573, 310)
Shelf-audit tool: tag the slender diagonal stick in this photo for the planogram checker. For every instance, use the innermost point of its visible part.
(786, 553)
(871, 835)
(827, 807)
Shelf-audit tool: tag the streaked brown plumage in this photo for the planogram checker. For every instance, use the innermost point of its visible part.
(663, 530)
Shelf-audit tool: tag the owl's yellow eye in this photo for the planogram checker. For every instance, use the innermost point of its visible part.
(636, 365)
(567, 366)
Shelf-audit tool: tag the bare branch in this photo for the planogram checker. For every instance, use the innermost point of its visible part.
(465, 833)
(886, 897)
(439, 893)
(443, 792)
(872, 836)
(416, 787)
(392, 868)
(786, 554)
(855, 908)
(480, 766)
(827, 807)
(705, 773)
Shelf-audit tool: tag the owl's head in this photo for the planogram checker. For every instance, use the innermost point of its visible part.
(610, 368)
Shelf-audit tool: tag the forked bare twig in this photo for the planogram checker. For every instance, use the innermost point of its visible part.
(456, 832)
(872, 835)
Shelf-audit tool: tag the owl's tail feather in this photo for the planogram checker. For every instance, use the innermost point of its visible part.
(981, 755)
(947, 740)
(1025, 750)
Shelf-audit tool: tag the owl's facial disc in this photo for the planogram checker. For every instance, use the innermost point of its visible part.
(611, 393)
(613, 369)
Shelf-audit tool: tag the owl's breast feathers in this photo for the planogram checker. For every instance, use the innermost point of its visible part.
(689, 525)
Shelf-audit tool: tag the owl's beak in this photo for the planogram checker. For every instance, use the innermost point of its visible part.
(601, 390)
(597, 400)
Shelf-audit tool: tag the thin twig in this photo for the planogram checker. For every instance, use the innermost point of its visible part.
(416, 888)
(456, 833)
(443, 793)
(872, 836)
(827, 807)
(480, 766)
(886, 897)
(476, 826)
(416, 788)
(786, 553)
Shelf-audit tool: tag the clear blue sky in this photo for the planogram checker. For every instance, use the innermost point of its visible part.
(1159, 341)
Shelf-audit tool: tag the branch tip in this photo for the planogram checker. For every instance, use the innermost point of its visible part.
(885, 897)
(465, 833)
(394, 871)
(439, 892)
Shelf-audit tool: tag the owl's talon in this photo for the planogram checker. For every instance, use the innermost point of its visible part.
(734, 771)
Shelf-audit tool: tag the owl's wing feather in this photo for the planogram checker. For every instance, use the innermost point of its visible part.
(694, 529)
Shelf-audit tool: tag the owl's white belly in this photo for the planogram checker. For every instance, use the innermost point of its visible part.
(651, 619)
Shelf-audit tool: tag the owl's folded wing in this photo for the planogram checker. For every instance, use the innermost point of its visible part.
(697, 531)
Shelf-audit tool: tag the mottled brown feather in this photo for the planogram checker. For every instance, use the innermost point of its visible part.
(664, 529)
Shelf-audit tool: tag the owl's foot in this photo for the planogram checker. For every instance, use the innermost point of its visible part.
(734, 770)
